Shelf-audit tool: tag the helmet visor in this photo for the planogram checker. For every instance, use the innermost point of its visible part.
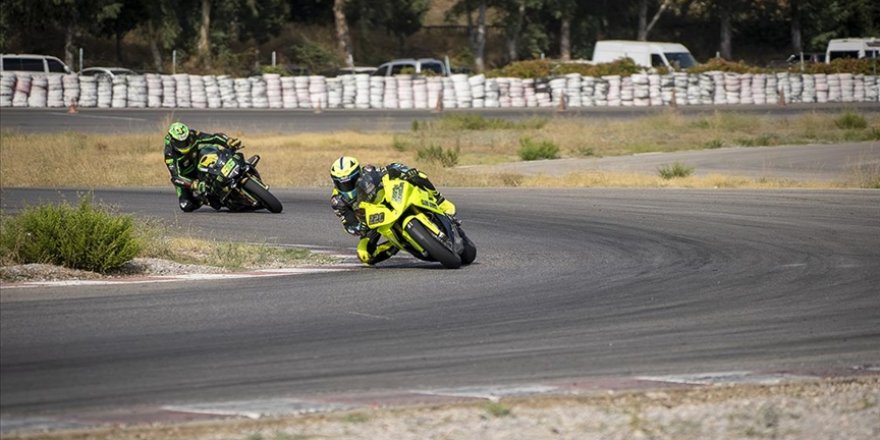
(183, 146)
(347, 184)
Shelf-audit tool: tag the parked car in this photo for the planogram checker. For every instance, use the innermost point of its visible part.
(33, 64)
(356, 70)
(108, 72)
(646, 54)
(852, 48)
(418, 66)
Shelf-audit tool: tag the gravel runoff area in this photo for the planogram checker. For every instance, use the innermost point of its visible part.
(837, 408)
(136, 267)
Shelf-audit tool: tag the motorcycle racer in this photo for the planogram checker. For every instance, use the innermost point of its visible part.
(182, 145)
(346, 173)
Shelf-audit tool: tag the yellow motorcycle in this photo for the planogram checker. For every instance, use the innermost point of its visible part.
(409, 218)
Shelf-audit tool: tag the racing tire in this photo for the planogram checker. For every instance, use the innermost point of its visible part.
(469, 254)
(263, 195)
(433, 246)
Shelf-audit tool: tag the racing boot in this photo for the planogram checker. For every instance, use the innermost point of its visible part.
(370, 251)
(187, 201)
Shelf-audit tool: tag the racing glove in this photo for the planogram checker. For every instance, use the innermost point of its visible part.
(197, 187)
(358, 229)
(409, 174)
(234, 143)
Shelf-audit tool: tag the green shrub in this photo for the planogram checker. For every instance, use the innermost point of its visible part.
(851, 121)
(447, 158)
(763, 140)
(314, 55)
(524, 69)
(535, 150)
(80, 237)
(585, 151)
(399, 144)
(274, 69)
(546, 69)
(622, 67)
(677, 169)
(722, 65)
(865, 66)
(497, 409)
(472, 121)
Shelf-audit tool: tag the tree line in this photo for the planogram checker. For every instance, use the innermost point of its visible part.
(209, 30)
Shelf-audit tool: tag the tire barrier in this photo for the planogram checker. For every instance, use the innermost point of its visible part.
(272, 91)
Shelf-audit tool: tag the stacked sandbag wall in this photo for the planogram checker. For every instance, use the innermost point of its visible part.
(272, 91)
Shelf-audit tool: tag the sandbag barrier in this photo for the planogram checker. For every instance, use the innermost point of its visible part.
(408, 92)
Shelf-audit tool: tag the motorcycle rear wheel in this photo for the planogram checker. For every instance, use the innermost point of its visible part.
(263, 195)
(433, 246)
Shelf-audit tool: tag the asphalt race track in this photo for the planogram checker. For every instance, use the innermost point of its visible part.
(28, 120)
(567, 284)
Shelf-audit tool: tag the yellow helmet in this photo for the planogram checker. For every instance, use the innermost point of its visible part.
(345, 172)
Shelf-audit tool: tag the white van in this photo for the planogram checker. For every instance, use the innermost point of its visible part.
(852, 48)
(645, 53)
(34, 64)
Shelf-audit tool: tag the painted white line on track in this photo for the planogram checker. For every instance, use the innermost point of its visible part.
(185, 277)
(254, 409)
(727, 378)
(491, 393)
(121, 118)
(367, 315)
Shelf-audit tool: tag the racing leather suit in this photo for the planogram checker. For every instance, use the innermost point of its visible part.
(370, 251)
(184, 166)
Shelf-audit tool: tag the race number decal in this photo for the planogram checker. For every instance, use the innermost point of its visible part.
(397, 193)
(227, 168)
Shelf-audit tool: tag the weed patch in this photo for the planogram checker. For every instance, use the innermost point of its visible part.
(851, 121)
(476, 122)
(497, 409)
(675, 170)
(82, 237)
(535, 150)
(446, 158)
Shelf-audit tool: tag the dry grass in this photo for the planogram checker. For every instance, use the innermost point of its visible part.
(302, 160)
(595, 179)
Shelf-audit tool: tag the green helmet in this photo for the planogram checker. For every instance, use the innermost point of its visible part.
(180, 133)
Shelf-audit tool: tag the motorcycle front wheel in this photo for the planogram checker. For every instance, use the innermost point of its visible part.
(433, 246)
(263, 195)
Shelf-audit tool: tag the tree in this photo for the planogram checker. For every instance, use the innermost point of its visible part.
(480, 40)
(342, 34)
(644, 26)
(118, 18)
(203, 47)
(724, 16)
(797, 44)
(563, 10)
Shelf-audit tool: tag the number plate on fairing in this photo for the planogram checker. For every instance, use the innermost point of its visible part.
(228, 167)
